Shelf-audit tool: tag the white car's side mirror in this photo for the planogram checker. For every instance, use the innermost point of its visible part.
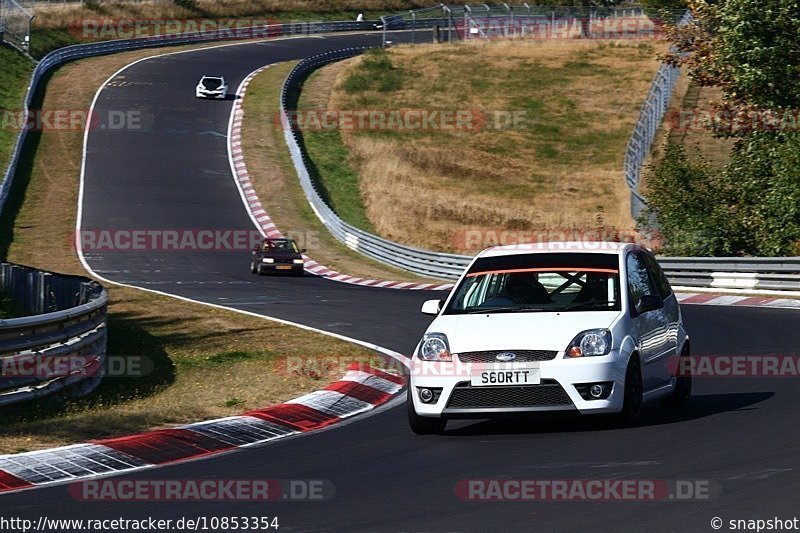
(432, 307)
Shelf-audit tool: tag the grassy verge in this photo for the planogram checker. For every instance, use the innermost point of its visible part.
(276, 183)
(204, 362)
(57, 25)
(15, 72)
(331, 164)
(200, 363)
(558, 167)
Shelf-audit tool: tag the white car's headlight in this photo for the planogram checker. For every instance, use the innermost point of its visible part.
(267, 260)
(434, 347)
(589, 343)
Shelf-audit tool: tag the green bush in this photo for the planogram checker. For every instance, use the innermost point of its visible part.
(752, 208)
(765, 169)
(685, 201)
(375, 73)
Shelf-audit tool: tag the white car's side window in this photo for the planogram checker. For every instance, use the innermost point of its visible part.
(639, 283)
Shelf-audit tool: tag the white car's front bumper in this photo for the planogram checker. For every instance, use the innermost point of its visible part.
(207, 94)
(557, 391)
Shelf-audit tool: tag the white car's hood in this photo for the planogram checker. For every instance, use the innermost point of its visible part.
(518, 331)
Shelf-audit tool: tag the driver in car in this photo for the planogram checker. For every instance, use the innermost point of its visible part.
(521, 288)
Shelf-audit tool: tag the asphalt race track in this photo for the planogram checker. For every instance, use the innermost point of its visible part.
(738, 433)
(174, 174)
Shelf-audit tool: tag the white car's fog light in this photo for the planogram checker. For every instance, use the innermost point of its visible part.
(426, 395)
(595, 391)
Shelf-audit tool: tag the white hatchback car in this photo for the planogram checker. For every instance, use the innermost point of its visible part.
(555, 327)
(211, 87)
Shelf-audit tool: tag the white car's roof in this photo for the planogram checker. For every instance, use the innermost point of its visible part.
(598, 247)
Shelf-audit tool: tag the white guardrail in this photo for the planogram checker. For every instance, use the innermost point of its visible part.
(60, 344)
(753, 274)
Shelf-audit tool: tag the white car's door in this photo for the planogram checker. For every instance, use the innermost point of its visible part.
(650, 327)
(671, 311)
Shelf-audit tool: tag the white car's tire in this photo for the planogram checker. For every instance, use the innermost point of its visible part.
(683, 387)
(633, 399)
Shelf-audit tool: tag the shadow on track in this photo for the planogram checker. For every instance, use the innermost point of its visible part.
(699, 406)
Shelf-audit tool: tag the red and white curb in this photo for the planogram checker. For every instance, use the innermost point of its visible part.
(361, 389)
(735, 300)
(265, 223)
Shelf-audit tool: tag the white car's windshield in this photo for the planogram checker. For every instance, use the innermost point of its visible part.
(551, 282)
(212, 83)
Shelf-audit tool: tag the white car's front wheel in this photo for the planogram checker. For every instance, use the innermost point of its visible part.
(683, 385)
(423, 425)
(633, 398)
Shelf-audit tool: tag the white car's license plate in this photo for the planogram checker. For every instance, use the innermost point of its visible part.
(522, 375)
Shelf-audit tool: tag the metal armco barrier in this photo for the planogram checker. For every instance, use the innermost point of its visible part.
(647, 125)
(60, 344)
(746, 273)
(78, 51)
(434, 264)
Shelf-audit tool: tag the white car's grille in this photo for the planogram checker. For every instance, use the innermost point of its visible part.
(548, 394)
(520, 356)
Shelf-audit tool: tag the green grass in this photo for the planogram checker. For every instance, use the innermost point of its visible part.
(556, 128)
(45, 40)
(15, 72)
(554, 119)
(555, 125)
(330, 166)
(375, 73)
